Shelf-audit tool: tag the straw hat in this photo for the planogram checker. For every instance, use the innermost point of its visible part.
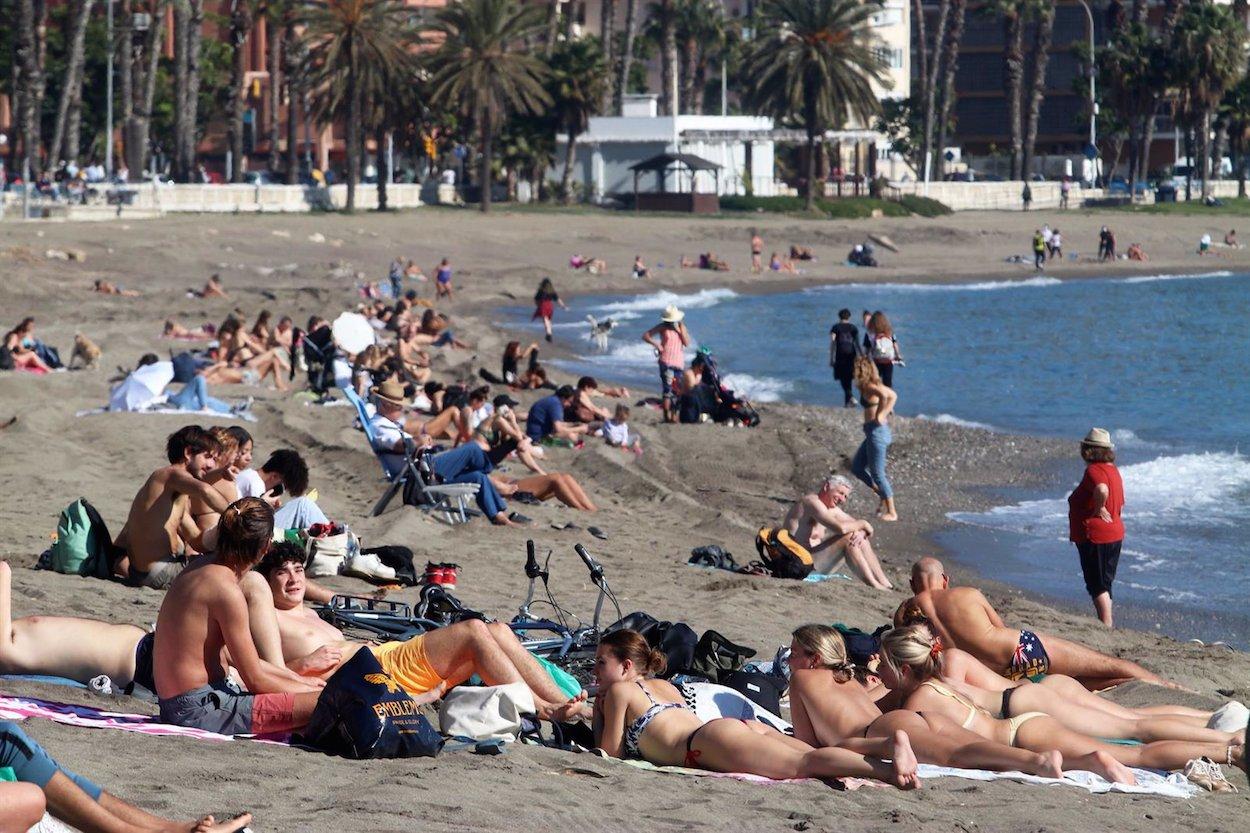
(390, 392)
(672, 315)
(1098, 437)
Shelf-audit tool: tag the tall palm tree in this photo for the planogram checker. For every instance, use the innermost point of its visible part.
(243, 15)
(579, 79)
(930, 92)
(353, 43)
(950, 64)
(28, 51)
(294, 55)
(275, 31)
(71, 88)
(1012, 13)
(188, 36)
(480, 69)
(607, 37)
(138, 70)
(1044, 26)
(812, 61)
(627, 55)
(1236, 109)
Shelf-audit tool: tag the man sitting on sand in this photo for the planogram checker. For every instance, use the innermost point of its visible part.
(546, 418)
(204, 616)
(424, 665)
(154, 552)
(43, 784)
(817, 522)
(965, 619)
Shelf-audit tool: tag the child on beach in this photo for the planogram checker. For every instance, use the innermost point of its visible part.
(442, 278)
(616, 431)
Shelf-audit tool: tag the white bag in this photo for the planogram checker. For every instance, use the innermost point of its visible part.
(486, 712)
(326, 555)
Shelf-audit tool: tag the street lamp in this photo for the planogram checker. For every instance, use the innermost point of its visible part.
(1092, 151)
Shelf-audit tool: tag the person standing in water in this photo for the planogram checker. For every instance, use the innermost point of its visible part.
(843, 348)
(1094, 522)
(545, 300)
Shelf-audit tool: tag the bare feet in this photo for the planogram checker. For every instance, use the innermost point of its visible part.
(568, 711)
(430, 696)
(1103, 764)
(1051, 765)
(208, 824)
(904, 762)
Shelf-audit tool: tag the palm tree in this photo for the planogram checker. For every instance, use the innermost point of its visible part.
(579, 79)
(1236, 109)
(950, 63)
(627, 55)
(481, 71)
(63, 145)
(188, 35)
(242, 19)
(354, 45)
(607, 37)
(1012, 13)
(662, 28)
(294, 56)
(930, 92)
(813, 61)
(1043, 29)
(1208, 57)
(138, 70)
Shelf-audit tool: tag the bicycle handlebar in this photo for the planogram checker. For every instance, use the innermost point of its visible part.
(596, 570)
(531, 562)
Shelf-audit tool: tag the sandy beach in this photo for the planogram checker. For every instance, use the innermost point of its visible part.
(694, 485)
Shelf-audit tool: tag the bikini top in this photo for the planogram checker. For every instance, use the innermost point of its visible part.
(958, 698)
(633, 732)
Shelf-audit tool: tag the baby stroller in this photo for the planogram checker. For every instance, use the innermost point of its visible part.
(729, 406)
(319, 354)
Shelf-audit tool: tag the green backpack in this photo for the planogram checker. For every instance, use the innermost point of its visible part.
(83, 545)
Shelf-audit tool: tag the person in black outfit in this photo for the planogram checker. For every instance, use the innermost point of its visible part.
(844, 346)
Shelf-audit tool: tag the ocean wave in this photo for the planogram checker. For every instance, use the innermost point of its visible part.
(1222, 273)
(951, 419)
(659, 300)
(980, 286)
(757, 388)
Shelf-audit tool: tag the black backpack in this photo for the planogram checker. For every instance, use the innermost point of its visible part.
(764, 690)
(363, 713)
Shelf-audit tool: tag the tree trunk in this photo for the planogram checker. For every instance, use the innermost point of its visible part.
(293, 85)
(930, 97)
(700, 83)
(1218, 147)
(950, 63)
(1013, 78)
(553, 27)
(689, 58)
(607, 32)
(669, 100)
(809, 202)
(240, 26)
(73, 123)
(142, 83)
(384, 168)
(182, 14)
(274, 39)
(627, 55)
(125, 74)
(76, 36)
(353, 129)
(1239, 156)
(1204, 152)
(566, 179)
(487, 127)
(922, 52)
(188, 139)
(30, 15)
(1189, 169)
(1037, 86)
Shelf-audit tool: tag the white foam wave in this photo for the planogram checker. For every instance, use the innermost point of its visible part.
(951, 419)
(1160, 495)
(757, 388)
(1223, 273)
(660, 300)
(980, 286)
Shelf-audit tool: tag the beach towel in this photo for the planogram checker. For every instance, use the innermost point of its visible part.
(160, 406)
(836, 783)
(1149, 782)
(21, 708)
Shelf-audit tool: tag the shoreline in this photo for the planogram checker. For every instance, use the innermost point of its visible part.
(691, 487)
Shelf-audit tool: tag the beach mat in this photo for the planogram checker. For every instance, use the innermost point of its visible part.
(22, 708)
(43, 678)
(161, 409)
(836, 783)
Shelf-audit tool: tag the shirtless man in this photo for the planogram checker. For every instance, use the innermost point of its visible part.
(204, 616)
(155, 553)
(65, 646)
(425, 665)
(817, 522)
(964, 619)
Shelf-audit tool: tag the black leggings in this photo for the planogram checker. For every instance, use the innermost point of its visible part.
(887, 373)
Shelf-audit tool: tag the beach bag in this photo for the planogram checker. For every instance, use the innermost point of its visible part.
(485, 712)
(324, 556)
(363, 713)
(764, 690)
(783, 556)
(83, 545)
(716, 656)
(883, 350)
(399, 558)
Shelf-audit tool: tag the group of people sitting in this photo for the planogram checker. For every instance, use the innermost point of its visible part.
(21, 349)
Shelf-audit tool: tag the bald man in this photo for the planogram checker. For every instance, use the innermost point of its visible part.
(964, 619)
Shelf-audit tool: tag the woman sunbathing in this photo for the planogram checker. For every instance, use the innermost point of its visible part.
(173, 329)
(830, 707)
(108, 288)
(640, 716)
(562, 486)
(239, 351)
(212, 289)
(433, 330)
(912, 665)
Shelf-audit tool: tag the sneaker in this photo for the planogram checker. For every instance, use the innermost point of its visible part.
(1207, 774)
(447, 575)
(518, 518)
(367, 566)
(1231, 717)
(433, 573)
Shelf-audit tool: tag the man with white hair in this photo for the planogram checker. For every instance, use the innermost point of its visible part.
(817, 522)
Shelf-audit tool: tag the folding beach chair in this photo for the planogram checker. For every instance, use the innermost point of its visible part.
(450, 501)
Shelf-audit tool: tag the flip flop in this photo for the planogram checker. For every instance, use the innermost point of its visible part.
(565, 525)
(518, 518)
(597, 532)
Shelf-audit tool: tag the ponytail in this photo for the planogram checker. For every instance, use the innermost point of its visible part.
(829, 648)
(632, 646)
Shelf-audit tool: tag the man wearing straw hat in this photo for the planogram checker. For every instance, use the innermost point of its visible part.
(1094, 523)
(673, 338)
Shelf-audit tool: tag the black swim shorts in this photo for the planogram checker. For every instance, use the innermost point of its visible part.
(1099, 563)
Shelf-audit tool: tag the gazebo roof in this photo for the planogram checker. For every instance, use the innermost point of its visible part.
(666, 160)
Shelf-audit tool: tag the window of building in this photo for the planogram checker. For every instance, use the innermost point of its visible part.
(890, 57)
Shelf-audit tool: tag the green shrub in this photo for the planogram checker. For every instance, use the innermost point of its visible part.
(856, 208)
(770, 204)
(924, 206)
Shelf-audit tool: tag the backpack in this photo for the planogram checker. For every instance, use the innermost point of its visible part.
(845, 339)
(6, 358)
(783, 556)
(399, 559)
(764, 690)
(883, 349)
(83, 545)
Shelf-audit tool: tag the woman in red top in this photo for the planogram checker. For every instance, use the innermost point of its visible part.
(1094, 523)
(545, 300)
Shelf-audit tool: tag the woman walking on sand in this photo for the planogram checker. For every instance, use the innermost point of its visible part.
(545, 300)
(1094, 523)
(869, 464)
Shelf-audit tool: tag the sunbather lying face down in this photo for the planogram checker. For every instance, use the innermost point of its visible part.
(965, 619)
(292, 634)
(647, 718)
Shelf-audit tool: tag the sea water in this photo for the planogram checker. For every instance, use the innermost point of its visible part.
(1160, 361)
